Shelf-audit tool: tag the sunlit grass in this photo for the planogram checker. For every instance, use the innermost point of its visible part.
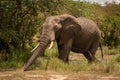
(78, 63)
(54, 64)
(110, 64)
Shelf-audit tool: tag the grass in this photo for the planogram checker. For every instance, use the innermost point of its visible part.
(55, 64)
(111, 51)
(15, 60)
(78, 63)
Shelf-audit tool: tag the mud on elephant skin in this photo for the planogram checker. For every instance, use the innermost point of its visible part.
(79, 35)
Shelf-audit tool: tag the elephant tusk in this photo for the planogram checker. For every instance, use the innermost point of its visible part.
(35, 47)
(51, 45)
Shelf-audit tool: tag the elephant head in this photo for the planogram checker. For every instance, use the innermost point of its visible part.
(52, 28)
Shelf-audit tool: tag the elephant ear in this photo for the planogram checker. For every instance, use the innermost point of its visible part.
(68, 21)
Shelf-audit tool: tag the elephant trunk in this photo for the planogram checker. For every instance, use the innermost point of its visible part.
(38, 51)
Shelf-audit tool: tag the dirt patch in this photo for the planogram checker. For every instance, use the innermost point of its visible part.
(50, 75)
(58, 77)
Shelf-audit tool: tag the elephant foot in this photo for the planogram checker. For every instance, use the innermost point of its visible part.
(65, 60)
(93, 61)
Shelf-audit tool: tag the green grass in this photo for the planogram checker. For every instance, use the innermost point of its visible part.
(110, 64)
(112, 51)
(15, 60)
(78, 63)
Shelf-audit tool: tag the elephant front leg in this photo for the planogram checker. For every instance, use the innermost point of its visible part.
(64, 50)
(63, 53)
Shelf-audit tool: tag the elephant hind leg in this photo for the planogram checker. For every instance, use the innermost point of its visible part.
(90, 54)
(89, 57)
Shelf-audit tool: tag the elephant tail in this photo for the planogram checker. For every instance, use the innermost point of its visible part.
(101, 50)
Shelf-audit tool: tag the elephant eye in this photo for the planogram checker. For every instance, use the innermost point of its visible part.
(57, 27)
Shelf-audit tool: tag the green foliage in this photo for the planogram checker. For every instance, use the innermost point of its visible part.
(111, 29)
(18, 22)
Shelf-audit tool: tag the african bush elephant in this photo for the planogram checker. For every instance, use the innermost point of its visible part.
(79, 35)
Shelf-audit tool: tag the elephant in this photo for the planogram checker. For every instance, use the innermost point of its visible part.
(80, 35)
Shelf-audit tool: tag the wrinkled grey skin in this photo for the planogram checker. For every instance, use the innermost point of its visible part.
(79, 35)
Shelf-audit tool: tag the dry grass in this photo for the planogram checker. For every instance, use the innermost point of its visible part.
(51, 68)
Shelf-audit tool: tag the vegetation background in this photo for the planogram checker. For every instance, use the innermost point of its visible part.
(20, 20)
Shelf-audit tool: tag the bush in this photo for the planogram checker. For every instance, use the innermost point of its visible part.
(111, 28)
